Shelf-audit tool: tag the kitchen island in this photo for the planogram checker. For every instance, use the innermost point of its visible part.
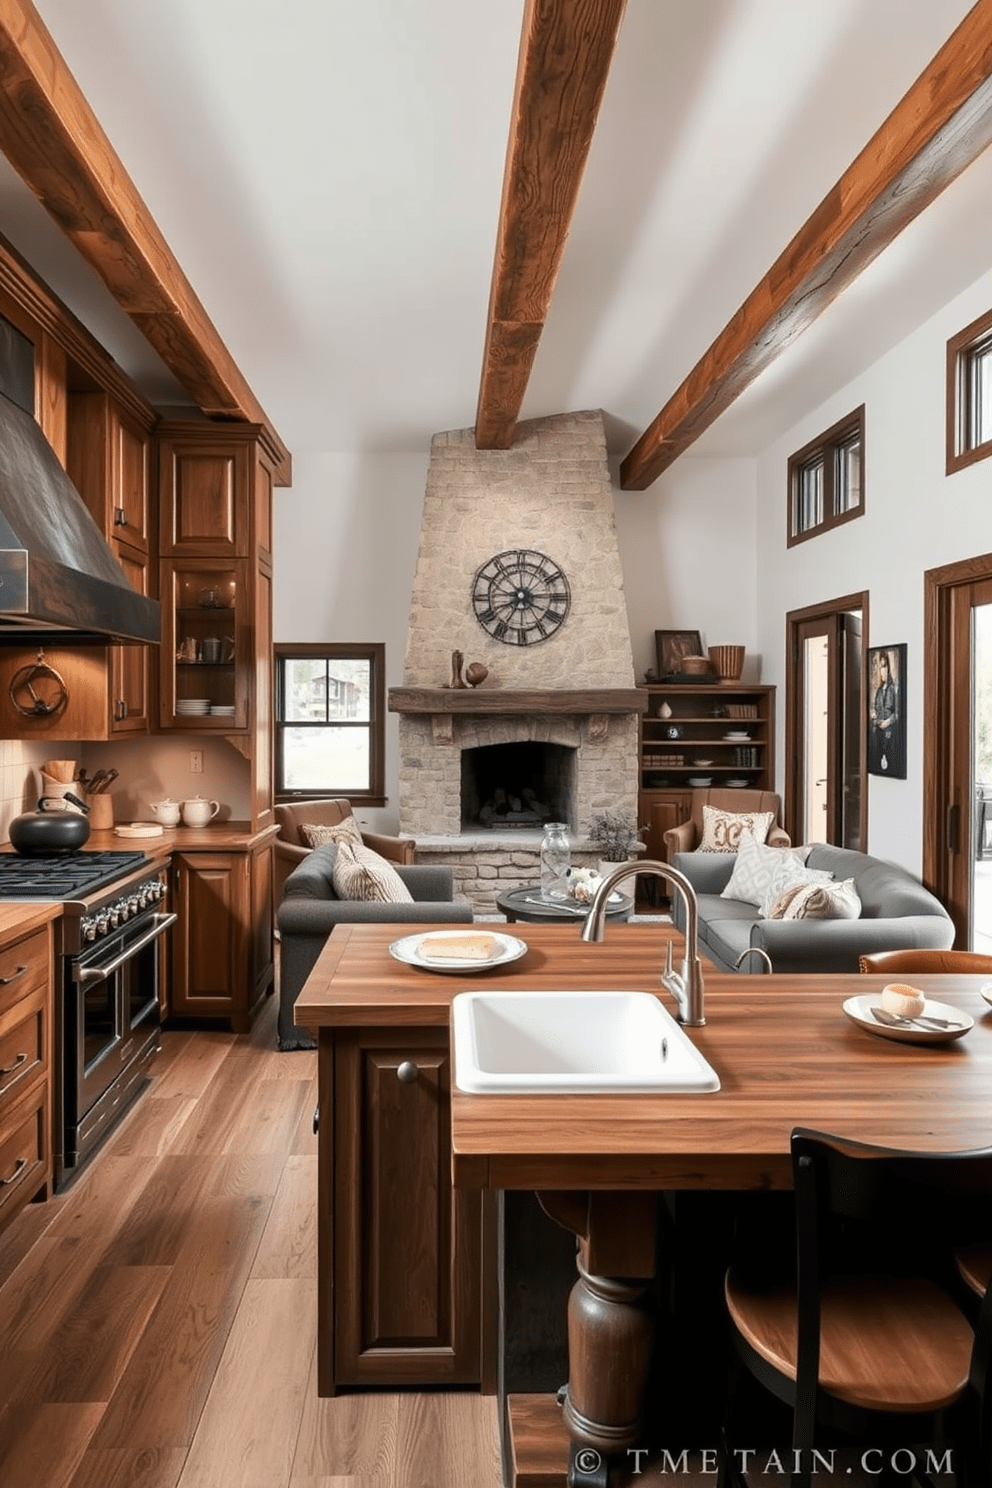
(786, 1055)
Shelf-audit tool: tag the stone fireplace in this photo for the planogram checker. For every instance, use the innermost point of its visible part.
(554, 725)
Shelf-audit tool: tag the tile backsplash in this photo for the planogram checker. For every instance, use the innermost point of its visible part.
(20, 779)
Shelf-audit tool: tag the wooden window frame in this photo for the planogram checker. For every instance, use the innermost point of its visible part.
(828, 445)
(374, 652)
(961, 350)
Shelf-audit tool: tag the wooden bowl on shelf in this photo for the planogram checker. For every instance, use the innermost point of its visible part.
(728, 662)
(695, 666)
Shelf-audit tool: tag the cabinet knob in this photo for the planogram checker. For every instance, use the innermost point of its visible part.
(316, 1119)
(407, 1072)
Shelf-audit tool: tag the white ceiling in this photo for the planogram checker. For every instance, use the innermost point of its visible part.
(328, 174)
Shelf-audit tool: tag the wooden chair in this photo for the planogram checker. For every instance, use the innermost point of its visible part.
(866, 1342)
(963, 962)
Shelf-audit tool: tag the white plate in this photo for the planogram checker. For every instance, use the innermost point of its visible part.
(508, 948)
(700, 779)
(858, 1009)
(738, 784)
(739, 734)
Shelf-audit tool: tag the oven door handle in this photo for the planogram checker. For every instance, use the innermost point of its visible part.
(84, 974)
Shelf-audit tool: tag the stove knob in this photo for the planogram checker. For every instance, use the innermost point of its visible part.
(134, 904)
(114, 916)
(87, 928)
(124, 909)
(102, 922)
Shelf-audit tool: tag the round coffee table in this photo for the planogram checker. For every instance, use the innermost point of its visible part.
(525, 904)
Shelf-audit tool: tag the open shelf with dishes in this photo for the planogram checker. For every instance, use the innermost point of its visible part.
(711, 734)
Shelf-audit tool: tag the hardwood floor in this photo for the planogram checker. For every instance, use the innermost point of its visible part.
(157, 1320)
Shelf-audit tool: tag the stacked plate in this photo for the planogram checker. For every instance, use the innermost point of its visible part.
(192, 707)
(222, 710)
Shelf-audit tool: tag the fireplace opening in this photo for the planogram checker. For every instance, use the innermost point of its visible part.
(517, 785)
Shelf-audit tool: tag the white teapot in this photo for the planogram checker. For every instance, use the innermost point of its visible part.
(167, 811)
(198, 811)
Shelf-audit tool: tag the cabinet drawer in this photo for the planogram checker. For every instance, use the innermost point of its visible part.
(24, 1044)
(24, 1147)
(24, 967)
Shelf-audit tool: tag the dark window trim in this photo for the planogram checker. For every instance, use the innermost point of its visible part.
(959, 453)
(826, 444)
(372, 651)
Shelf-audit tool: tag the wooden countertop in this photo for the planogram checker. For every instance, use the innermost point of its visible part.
(18, 918)
(785, 1052)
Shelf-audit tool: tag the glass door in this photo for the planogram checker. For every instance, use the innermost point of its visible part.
(980, 856)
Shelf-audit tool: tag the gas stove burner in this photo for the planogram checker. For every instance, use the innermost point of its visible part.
(63, 875)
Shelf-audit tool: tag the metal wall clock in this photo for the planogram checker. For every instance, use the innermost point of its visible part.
(520, 597)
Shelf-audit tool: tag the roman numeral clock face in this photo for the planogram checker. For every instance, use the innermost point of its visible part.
(520, 597)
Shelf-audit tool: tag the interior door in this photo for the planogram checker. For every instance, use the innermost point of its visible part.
(824, 720)
(967, 799)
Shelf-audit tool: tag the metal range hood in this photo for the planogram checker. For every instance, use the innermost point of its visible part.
(59, 580)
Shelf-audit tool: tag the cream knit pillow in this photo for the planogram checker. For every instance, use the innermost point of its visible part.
(317, 835)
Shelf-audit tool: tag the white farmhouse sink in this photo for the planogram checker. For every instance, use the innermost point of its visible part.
(547, 1042)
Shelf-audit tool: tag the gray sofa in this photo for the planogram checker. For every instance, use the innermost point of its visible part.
(897, 913)
(310, 909)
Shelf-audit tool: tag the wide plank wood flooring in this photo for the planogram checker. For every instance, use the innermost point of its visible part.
(157, 1320)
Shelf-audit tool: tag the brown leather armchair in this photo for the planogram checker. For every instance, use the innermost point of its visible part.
(687, 836)
(291, 847)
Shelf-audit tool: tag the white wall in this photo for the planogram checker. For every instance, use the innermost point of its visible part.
(344, 549)
(687, 545)
(916, 518)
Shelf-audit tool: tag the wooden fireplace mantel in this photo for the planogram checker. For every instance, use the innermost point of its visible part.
(517, 700)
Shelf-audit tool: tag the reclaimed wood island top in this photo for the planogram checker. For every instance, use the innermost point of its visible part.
(786, 1054)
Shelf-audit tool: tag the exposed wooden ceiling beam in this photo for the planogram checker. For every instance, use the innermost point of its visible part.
(566, 47)
(54, 141)
(941, 125)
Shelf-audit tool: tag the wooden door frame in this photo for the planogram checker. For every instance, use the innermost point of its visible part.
(938, 782)
(794, 619)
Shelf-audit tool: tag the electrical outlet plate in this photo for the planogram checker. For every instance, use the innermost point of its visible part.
(196, 761)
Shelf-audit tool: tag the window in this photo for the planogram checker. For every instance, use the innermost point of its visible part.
(329, 712)
(969, 395)
(826, 479)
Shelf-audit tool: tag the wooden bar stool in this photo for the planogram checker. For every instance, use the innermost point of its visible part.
(862, 1343)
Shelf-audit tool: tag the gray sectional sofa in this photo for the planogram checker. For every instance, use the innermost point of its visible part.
(897, 913)
(310, 909)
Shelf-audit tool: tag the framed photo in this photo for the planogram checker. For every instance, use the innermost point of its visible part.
(672, 647)
(886, 711)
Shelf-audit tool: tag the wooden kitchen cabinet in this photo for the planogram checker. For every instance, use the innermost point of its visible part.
(406, 1249)
(222, 960)
(215, 571)
(25, 1070)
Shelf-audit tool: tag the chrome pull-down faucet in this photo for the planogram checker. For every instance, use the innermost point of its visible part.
(686, 986)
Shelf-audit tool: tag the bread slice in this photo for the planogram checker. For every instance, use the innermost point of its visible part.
(458, 947)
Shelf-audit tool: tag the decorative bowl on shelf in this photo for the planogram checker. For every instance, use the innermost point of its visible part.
(695, 666)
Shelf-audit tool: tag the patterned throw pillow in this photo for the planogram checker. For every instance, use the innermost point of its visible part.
(360, 873)
(315, 835)
(756, 867)
(813, 901)
(722, 829)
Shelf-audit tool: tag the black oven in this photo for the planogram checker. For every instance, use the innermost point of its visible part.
(108, 968)
(111, 980)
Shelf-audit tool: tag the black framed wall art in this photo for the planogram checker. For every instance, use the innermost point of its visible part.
(886, 711)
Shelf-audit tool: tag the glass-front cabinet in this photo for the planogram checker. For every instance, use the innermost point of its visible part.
(205, 637)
